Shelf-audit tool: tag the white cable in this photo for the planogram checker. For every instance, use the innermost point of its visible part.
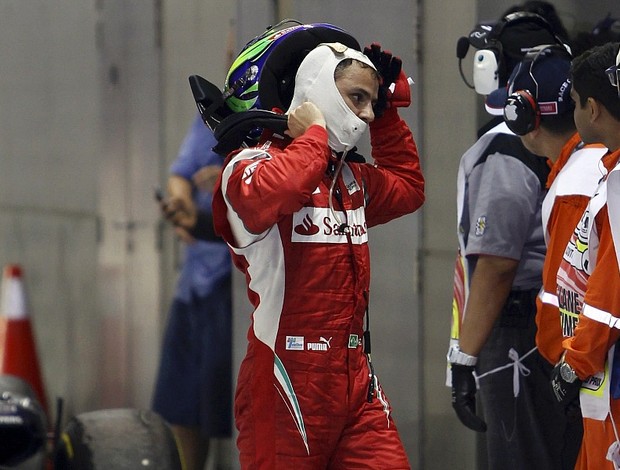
(331, 191)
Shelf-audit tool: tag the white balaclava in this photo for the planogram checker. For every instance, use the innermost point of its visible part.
(315, 82)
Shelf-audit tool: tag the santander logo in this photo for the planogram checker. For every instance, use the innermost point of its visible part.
(306, 227)
(316, 225)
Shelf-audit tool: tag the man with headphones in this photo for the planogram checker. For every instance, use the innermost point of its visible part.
(501, 186)
(537, 106)
(589, 365)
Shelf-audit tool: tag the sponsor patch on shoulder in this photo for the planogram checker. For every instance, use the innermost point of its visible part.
(249, 171)
(294, 343)
(481, 225)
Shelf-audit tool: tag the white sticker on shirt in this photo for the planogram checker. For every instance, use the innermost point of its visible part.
(349, 180)
(294, 343)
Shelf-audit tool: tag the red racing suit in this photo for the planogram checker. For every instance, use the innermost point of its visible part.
(304, 397)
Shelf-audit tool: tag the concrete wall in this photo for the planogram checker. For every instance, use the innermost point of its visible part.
(50, 136)
(447, 133)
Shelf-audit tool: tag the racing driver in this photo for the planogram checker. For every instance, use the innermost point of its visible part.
(295, 211)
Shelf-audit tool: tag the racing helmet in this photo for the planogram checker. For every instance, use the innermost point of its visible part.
(261, 79)
(263, 74)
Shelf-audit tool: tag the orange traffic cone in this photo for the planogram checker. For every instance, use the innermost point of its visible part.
(18, 354)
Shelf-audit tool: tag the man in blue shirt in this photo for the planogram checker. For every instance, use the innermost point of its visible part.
(194, 384)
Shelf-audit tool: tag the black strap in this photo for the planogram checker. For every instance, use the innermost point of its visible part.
(209, 101)
(234, 129)
(204, 229)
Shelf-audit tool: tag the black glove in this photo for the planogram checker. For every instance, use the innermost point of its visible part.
(566, 393)
(389, 67)
(464, 397)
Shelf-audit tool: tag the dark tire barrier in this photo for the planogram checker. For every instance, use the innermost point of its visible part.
(16, 385)
(117, 439)
(22, 422)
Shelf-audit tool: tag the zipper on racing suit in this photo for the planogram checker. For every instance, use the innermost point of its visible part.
(344, 228)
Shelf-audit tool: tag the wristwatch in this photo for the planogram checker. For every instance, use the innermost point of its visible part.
(456, 356)
(567, 372)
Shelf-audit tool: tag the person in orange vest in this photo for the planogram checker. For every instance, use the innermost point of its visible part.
(588, 279)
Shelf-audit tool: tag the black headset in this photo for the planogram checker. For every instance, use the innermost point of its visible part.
(524, 114)
(491, 42)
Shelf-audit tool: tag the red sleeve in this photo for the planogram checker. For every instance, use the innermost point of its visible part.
(549, 332)
(263, 190)
(395, 184)
(587, 349)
